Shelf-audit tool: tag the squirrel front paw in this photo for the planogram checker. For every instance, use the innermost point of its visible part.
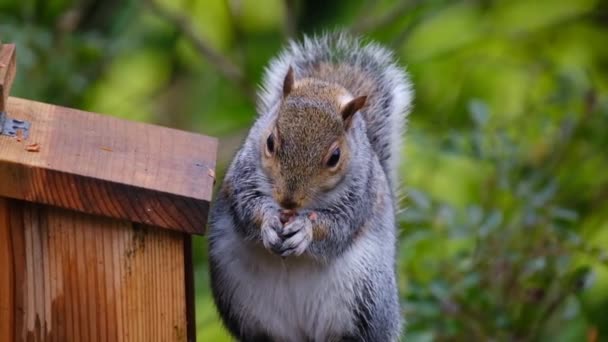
(270, 236)
(296, 236)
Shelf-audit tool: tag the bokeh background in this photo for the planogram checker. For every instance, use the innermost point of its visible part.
(505, 230)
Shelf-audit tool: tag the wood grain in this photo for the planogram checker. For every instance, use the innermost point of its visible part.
(8, 67)
(102, 165)
(7, 290)
(75, 277)
(189, 288)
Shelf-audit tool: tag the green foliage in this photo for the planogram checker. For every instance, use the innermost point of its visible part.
(505, 222)
(510, 261)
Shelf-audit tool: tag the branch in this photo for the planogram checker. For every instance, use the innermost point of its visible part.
(291, 22)
(225, 66)
(235, 11)
(371, 24)
(546, 313)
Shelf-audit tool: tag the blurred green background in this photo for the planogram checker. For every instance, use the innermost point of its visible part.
(505, 227)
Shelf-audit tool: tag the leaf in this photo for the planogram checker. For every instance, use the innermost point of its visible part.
(475, 214)
(518, 16)
(439, 289)
(563, 214)
(581, 278)
(536, 264)
(545, 195)
(479, 112)
(449, 28)
(491, 223)
(419, 199)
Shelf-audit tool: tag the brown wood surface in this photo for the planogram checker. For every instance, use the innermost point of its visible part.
(189, 288)
(70, 276)
(6, 275)
(8, 66)
(103, 165)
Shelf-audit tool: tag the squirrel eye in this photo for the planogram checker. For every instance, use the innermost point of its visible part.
(270, 143)
(334, 158)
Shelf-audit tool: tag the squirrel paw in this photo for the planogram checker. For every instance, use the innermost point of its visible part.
(270, 237)
(297, 235)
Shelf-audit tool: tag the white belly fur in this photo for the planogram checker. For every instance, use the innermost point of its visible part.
(292, 295)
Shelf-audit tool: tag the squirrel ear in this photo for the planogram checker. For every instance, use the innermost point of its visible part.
(288, 82)
(352, 107)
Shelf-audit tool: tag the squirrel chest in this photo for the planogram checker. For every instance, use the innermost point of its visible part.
(294, 296)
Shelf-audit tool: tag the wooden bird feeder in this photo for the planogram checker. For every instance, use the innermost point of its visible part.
(96, 219)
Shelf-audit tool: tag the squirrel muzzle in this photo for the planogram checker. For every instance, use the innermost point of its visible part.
(288, 203)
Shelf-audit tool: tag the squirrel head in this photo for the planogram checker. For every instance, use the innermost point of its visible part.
(306, 151)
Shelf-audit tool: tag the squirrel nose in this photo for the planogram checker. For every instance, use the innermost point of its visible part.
(288, 203)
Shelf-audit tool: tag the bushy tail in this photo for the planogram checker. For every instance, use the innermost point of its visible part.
(371, 71)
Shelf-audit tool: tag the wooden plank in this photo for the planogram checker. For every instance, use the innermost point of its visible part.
(189, 283)
(11, 215)
(8, 67)
(106, 166)
(7, 290)
(86, 278)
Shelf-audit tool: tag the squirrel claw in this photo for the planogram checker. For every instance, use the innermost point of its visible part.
(297, 235)
(270, 236)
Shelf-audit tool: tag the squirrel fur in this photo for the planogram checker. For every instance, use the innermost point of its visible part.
(302, 233)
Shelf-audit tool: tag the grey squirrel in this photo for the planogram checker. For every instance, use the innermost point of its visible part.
(302, 233)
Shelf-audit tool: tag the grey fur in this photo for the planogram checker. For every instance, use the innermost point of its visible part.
(386, 115)
(343, 287)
